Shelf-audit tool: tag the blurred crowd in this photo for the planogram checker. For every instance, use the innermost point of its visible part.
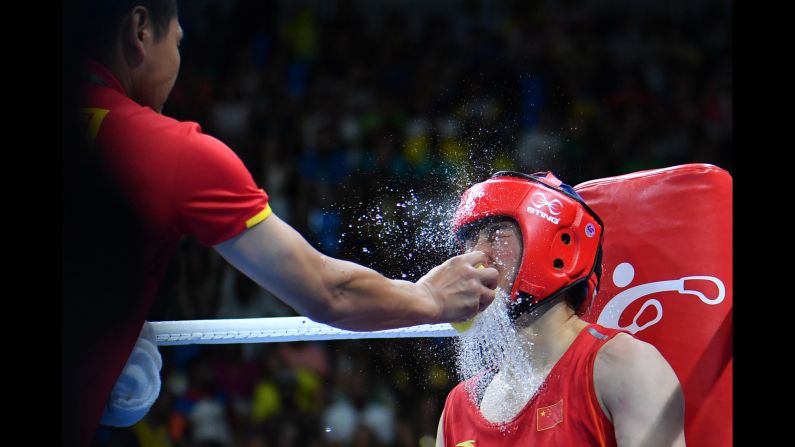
(343, 109)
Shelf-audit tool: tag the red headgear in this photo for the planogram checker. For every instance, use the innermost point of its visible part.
(562, 236)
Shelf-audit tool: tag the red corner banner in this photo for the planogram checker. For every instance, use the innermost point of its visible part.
(667, 278)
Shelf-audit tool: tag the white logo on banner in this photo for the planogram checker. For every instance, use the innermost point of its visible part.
(623, 275)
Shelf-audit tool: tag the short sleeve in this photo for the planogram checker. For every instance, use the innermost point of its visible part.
(216, 196)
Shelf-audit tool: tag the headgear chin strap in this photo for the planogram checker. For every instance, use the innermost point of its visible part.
(562, 236)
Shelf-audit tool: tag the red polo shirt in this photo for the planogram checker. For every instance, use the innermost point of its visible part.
(179, 181)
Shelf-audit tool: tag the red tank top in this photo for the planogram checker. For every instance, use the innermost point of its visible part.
(564, 411)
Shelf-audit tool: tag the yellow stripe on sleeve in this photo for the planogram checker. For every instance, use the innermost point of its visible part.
(262, 215)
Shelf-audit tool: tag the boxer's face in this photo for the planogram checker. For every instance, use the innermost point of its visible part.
(501, 241)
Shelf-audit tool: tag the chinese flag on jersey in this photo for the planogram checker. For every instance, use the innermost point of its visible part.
(550, 416)
(667, 278)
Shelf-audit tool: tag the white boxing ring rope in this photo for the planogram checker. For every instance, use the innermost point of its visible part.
(272, 330)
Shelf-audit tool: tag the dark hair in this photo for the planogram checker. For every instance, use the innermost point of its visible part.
(94, 23)
(578, 294)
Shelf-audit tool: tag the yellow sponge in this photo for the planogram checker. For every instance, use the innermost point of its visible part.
(464, 326)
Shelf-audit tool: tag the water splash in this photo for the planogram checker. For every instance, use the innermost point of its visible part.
(493, 347)
(410, 231)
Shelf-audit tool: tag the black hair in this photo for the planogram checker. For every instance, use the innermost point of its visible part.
(94, 23)
(578, 293)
